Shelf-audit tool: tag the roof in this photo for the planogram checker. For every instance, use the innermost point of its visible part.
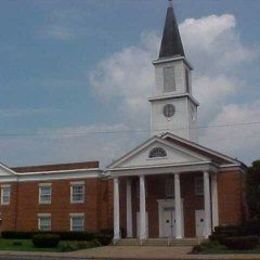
(57, 167)
(171, 44)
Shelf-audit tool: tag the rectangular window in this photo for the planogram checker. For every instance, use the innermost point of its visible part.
(169, 187)
(45, 193)
(169, 79)
(44, 222)
(77, 192)
(187, 80)
(199, 186)
(5, 194)
(77, 222)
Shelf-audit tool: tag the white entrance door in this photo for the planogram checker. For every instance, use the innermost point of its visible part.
(200, 220)
(138, 224)
(168, 222)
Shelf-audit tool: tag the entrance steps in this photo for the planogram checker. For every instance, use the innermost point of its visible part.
(158, 242)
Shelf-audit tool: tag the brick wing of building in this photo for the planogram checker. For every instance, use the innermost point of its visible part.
(169, 186)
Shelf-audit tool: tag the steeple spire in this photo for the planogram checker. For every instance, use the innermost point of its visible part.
(171, 44)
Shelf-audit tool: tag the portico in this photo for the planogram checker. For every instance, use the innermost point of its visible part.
(168, 219)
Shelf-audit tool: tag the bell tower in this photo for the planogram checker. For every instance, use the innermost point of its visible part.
(173, 108)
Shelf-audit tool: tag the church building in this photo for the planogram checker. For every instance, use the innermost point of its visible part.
(167, 187)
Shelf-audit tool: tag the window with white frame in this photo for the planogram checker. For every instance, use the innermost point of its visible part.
(77, 222)
(45, 191)
(44, 222)
(77, 192)
(5, 194)
(199, 186)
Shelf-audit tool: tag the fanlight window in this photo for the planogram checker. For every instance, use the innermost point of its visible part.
(157, 152)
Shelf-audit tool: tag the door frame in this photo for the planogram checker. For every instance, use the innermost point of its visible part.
(167, 203)
(196, 229)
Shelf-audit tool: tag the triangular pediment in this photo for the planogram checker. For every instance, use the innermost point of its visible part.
(140, 156)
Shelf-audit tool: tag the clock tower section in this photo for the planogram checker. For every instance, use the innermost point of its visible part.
(173, 108)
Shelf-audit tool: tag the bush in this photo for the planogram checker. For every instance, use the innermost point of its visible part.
(78, 236)
(45, 240)
(230, 230)
(17, 235)
(241, 243)
(218, 237)
(77, 245)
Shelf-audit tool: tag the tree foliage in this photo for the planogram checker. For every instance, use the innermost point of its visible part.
(253, 190)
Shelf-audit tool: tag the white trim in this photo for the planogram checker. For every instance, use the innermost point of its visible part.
(7, 169)
(167, 96)
(164, 169)
(5, 185)
(58, 176)
(77, 214)
(45, 184)
(44, 214)
(200, 147)
(170, 59)
(153, 141)
(77, 183)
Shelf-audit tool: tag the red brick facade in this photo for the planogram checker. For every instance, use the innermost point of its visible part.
(230, 200)
(21, 214)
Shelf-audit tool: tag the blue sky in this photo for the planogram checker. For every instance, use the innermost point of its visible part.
(55, 81)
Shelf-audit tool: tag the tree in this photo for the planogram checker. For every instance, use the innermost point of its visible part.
(253, 190)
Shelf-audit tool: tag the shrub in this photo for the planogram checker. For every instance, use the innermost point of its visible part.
(197, 249)
(77, 245)
(241, 243)
(218, 237)
(230, 230)
(45, 240)
(78, 236)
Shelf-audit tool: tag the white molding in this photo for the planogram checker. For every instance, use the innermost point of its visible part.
(77, 183)
(164, 169)
(200, 147)
(44, 214)
(170, 59)
(45, 184)
(153, 141)
(5, 185)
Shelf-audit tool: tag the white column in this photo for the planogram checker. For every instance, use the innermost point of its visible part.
(129, 222)
(177, 193)
(207, 207)
(214, 195)
(116, 210)
(142, 234)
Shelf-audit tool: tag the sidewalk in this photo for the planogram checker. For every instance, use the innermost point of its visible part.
(126, 252)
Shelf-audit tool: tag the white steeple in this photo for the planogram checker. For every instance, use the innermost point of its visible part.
(174, 109)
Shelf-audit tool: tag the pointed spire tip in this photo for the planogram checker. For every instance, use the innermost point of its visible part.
(170, 3)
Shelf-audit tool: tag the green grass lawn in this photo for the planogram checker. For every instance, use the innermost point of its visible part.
(27, 245)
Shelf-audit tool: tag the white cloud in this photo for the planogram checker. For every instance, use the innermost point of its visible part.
(213, 46)
(242, 141)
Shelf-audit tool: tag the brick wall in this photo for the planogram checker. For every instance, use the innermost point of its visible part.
(230, 197)
(22, 212)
